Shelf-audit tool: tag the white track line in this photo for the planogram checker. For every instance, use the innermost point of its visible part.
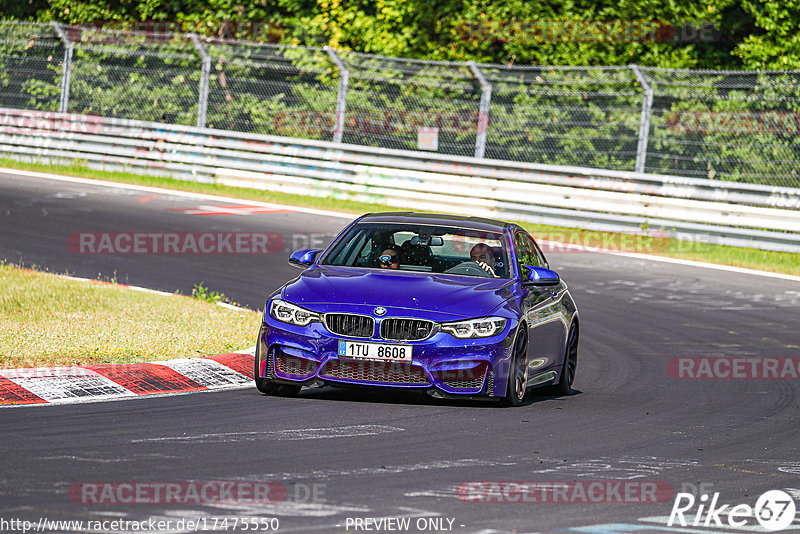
(283, 435)
(717, 266)
(88, 181)
(667, 259)
(147, 290)
(173, 192)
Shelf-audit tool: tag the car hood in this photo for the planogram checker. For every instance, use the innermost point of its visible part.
(461, 296)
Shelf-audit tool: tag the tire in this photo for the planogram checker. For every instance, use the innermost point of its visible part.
(518, 372)
(268, 387)
(564, 386)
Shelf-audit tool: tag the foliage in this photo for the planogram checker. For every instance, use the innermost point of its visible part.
(777, 44)
(586, 117)
(201, 292)
(754, 33)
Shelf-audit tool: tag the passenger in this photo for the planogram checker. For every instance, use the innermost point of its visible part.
(482, 255)
(389, 259)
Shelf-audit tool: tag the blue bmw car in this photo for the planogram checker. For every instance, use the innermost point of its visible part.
(453, 306)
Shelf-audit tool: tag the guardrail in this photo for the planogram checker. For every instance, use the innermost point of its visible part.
(728, 213)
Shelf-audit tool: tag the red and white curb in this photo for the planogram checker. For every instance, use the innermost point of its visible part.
(62, 385)
(92, 383)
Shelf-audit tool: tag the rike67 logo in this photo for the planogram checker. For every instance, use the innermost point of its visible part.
(774, 511)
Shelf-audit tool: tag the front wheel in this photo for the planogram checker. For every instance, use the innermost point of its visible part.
(518, 373)
(267, 387)
(564, 386)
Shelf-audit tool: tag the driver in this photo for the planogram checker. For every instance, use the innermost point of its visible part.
(389, 259)
(482, 255)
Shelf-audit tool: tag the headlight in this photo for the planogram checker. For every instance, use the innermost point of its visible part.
(488, 326)
(286, 312)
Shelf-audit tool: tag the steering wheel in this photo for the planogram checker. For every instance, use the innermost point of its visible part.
(469, 268)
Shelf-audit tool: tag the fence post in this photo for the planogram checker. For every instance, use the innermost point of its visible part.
(341, 96)
(644, 122)
(205, 73)
(483, 112)
(63, 102)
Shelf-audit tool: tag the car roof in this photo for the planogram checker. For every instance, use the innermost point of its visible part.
(412, 217)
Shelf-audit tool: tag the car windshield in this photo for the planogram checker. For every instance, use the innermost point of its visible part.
(426, 248)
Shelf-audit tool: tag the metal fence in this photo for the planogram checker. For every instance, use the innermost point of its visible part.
(739, 126)
(690, 209)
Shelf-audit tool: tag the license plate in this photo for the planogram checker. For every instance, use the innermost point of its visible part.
(374, 351)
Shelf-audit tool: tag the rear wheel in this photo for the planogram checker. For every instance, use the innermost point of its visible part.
(267, 387)
(518, 373)
(564, 386)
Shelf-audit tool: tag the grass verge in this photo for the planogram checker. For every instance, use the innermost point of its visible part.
(765, 260)
(47, 320)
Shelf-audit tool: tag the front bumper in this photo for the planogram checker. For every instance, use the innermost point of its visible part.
(309, 356)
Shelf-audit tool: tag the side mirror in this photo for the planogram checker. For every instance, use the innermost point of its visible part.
(539, 276)
(304, 258)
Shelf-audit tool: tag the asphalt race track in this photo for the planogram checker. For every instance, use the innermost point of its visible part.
(346, 455)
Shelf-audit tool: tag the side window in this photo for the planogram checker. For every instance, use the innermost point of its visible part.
(540, 254)
(527, 252)
(365, 257)
(348, 248)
